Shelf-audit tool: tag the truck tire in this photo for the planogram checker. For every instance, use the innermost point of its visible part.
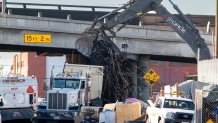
(0, 118)
(147, 119)
(159, 121)
(41, 121)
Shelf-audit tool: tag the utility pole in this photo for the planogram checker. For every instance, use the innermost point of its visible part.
(216, 31)
(3, 6)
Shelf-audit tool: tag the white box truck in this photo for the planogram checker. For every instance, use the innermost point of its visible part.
(69, 91)
(18, 97)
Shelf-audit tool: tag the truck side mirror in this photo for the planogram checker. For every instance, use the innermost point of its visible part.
(158, 106)
(47, 85)
(83, 85)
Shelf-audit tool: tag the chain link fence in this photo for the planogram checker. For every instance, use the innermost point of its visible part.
(205, 105)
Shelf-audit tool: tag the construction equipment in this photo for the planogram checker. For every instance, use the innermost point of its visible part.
(134, 9)
(96, 43)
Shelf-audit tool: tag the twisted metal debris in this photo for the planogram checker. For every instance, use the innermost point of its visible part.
(116, 85)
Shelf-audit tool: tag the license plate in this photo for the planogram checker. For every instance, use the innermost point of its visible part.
(17, 114)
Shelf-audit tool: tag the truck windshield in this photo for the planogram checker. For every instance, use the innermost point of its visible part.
(66, 83)
(181, 104)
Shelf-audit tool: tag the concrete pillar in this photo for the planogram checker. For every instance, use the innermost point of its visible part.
(134, 79)
(143, 88)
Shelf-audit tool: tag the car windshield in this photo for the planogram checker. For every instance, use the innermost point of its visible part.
(181, 104)
(66, 83)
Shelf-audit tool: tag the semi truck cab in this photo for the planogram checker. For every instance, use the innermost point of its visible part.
(67, 92)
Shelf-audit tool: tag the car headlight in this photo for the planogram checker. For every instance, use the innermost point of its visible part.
(170, 115)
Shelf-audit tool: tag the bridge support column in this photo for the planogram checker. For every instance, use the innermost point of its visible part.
(133, 76)
(143, 88)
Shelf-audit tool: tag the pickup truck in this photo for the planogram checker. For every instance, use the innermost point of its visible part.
(170, 110)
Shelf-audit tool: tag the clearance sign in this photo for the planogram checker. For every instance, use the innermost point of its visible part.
(37, 38)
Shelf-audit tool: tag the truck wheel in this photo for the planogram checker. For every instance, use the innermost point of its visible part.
(160, 121)
(147, 119)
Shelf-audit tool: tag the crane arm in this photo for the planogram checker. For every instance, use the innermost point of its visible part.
(185, 29)
(133, 9)
(136, 8)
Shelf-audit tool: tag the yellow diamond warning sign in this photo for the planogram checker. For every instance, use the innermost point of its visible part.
(151, 77)
(210, 121)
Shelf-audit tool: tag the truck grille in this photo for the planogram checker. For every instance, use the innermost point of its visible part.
(57, 101)
(184, 116)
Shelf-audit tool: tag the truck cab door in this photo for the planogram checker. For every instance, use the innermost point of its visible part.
(156, 111)
(82, 92)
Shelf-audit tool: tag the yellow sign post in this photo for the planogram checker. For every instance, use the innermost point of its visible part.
(210, 121)
(151, 77)
(37, 38)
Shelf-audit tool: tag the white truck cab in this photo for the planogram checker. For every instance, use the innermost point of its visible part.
(170, 110)
(68, 92)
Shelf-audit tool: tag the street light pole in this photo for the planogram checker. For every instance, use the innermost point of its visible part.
(3, 6)
(216, 32)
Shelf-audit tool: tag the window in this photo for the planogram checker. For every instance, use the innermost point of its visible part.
(66, 83)
(59, 83)
(72, 84)
(181, 104)
(83, 85)
(158, 103)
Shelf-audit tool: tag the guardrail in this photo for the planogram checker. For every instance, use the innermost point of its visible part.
(58, 6)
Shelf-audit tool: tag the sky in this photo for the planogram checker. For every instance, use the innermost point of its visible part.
(197, 7)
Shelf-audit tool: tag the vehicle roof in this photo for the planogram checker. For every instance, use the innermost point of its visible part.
(69, 77)
(177, 98)
(12, 80)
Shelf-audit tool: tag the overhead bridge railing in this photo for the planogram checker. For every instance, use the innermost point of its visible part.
(56, 6)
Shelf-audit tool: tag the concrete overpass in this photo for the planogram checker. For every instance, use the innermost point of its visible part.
(140, 40)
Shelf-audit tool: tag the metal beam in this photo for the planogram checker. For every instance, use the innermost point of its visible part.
(57, 5)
